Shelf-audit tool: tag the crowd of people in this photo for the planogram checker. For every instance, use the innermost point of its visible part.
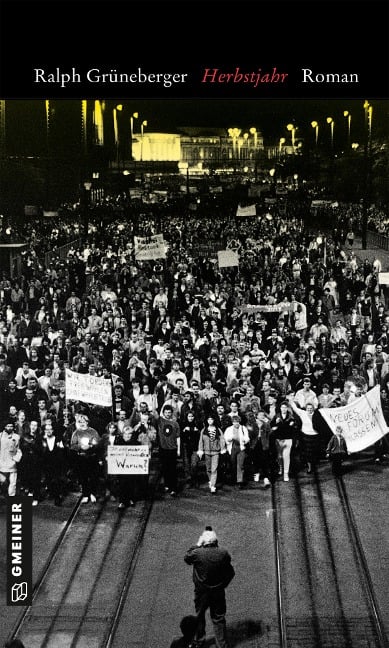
(220, 371)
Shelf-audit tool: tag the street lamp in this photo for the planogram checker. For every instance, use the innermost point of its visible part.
(253, 132)
(48, 150)
(348, 117)
(115, 111)
(143, 124)
(368, 121)
(98, 122)
(292, 129)
(134, 115)
(315, 125)
(331, 122)
(367, 163)
(246, 145)
(234, 134)
(184, 166)
(280, 145)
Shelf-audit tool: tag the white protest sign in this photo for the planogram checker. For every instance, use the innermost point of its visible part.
(227, 258)
(383, 278)
(362, 420)
(265, 308)
(128, 460)
(88, 389)
(249, 210)
(148, 248)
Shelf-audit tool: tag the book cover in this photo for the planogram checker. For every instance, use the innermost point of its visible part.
(261, 109)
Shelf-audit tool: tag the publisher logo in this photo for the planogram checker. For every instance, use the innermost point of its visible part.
(19, 551)
(19, 592)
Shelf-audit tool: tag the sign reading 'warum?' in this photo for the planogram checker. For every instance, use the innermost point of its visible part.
(128, 460)
(362, 420)
(88, 389)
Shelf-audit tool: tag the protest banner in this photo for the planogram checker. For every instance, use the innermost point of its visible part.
(227, 258)
(50, 213)
(270, 201)
(88, 389)
(362, 420)
(31, 210)
(136, 193)
(128, 460)
(249, 210)
(207, 249)
(265, 308)
(148, 248)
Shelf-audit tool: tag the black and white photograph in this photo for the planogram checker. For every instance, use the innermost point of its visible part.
(194, 332)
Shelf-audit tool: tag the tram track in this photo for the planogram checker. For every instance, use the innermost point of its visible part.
(325, 593)
(78, 599)
(370, 592)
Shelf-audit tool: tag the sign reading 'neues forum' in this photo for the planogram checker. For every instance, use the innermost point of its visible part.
(362, 421)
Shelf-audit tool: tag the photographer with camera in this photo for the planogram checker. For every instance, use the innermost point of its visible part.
(212, 573)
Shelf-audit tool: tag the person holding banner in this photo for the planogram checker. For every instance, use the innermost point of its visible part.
(85, 445)
(145, 433)
(336, 451)
(237, 441)
(284, 429)
(310, 436)
(169, 449)
(126, 483)
(109, 439)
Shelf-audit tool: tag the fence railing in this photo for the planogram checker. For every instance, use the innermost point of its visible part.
(375, 239)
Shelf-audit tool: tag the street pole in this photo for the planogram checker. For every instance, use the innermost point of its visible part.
(48, 152)
(367, 171)
(134, 115)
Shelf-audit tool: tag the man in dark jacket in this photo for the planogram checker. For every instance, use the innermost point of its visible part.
(212, 573)
(169, 449)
